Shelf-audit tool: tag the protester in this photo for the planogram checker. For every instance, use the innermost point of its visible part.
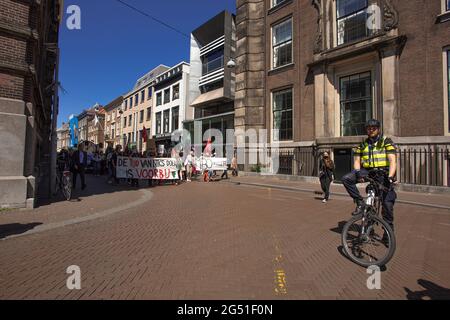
(79, 161)
(188, 164)
(117, 153)
(134, 154)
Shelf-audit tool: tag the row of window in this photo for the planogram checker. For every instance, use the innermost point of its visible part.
(352, 24)
(175, 95)
(355, 104)
(134, 100)
(162, 120)
(141, 117)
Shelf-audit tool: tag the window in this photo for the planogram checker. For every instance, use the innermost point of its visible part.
(125, 122)
(149, 93)
(149, 114)
(282, 43)
(112, 134)
(159, 98)
(167, 95)
(282, 115)
(351, 20)
(158, 123)
(212, 61)
(126, 105)
(447, 5)
(356, 103)
(131, 102)
(166, 121)
(175, 118)
(142, 96)
(136, 99)
(141, 116)
(277, 2)
(176, 92)
(130, 120)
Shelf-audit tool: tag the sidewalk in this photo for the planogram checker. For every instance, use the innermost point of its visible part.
(97, 200)
(422, 199)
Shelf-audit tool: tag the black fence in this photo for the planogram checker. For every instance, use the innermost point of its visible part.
(428, 165)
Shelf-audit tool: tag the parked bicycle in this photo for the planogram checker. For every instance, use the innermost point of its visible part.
(64, 180)
(366, 238)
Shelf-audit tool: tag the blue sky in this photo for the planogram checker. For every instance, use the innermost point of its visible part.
(117, 45)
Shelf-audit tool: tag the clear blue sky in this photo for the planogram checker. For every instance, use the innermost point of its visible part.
(117, 45)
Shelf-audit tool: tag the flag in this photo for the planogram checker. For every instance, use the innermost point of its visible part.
(144, 134)
(208, 148)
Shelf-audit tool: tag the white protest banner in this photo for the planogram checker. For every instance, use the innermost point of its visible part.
(209, 163)
(147, 168)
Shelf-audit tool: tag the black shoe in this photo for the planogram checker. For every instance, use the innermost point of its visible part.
(359, 208)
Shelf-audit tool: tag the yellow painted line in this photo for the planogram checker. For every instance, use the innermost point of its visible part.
(280, 274)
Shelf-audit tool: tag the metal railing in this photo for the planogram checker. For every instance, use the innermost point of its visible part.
(424, 165)
(427, 165)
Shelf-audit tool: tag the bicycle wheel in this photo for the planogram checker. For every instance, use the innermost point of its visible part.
(368, 241)
(67, 187)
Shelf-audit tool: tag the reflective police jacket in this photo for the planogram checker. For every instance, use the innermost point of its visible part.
(374, 154)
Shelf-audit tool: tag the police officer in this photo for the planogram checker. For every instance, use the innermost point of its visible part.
(376, 152)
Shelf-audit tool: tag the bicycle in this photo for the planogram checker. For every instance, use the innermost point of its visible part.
(63, 180)
(367, 239)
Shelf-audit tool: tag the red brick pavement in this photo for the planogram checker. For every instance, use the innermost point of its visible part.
(222, 241)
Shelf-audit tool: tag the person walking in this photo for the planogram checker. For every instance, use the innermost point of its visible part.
(234, 166)
(188, 164)
(326, 168)
(79, 161)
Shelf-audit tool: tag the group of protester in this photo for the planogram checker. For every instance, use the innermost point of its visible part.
(78, 161)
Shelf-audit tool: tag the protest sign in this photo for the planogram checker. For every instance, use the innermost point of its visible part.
(209, 163)
(147, 168)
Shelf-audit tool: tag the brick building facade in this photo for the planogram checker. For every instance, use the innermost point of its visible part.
(317, 70)
(28, 42)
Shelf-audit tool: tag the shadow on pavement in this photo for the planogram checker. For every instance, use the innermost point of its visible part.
(16, 228)
(432, 292)
(95, 186)
(339, 228)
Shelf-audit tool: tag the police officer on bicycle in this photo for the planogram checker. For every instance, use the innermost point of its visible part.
(375, 153)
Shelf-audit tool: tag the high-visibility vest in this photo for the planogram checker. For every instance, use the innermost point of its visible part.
(375, 155)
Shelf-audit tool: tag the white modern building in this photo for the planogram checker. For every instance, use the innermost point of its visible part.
(170, 104)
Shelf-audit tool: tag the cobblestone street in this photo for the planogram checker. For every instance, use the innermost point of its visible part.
(212, 241)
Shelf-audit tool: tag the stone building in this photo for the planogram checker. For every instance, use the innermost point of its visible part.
(96, 127)
(63, 137)
(113, 115)
(313, 72)
(137, 109)
(28, 57)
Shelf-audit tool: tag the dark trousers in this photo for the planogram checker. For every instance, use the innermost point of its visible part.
(224, 174)
(80, 172)
(350, 180)
(325, 183)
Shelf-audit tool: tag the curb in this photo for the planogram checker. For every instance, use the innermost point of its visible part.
(421, 204)
(146, 196)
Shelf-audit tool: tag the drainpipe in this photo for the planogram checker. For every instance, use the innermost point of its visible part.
(54, 126)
